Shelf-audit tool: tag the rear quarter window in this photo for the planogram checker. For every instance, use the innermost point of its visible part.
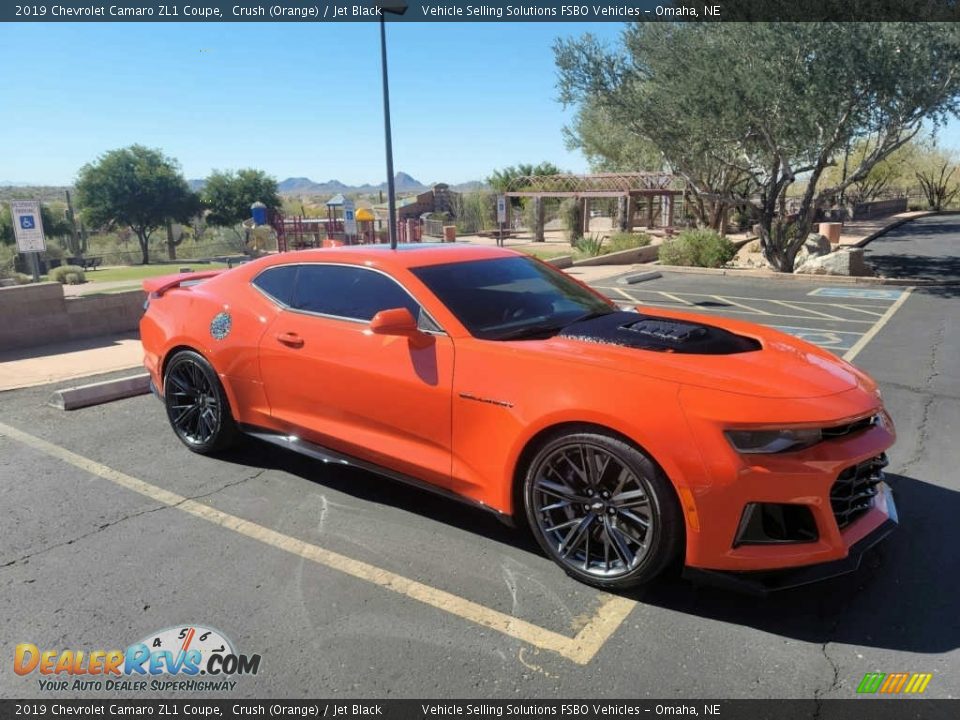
(278, 283)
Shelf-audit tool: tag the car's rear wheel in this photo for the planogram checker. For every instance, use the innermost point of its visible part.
(197, 406)
(602, 509)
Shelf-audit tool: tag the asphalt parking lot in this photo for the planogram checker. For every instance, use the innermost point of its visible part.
(348, 585)
(839, 318)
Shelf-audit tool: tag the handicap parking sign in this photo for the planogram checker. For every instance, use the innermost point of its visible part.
(27, 225)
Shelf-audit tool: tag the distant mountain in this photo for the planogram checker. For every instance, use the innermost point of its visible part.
(305, 186)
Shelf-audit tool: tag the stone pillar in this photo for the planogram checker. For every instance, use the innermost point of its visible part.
(622, 203)
(669, 210)
(585, 215)
(649, 211)
(538, 212)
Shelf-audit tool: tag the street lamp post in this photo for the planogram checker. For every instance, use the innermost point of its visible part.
(396, 9)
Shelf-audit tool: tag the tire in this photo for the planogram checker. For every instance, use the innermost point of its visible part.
(196, 404)
(614, 528)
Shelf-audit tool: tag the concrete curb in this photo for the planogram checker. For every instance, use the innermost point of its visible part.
(101, 392)
(640, 277)
(887, 228)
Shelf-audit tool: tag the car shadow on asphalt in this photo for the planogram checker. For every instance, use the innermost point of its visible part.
(372, 488)
(903, 597)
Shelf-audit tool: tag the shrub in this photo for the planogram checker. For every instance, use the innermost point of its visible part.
(68, 275)
(22, 278)
(627, 241)
(591, 246)
(697, 248)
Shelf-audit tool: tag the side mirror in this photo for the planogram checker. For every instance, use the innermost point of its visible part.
(396, 321)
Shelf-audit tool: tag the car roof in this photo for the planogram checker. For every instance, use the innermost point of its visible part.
(407, 255)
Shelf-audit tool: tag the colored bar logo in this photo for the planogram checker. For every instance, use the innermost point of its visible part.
(894, 683)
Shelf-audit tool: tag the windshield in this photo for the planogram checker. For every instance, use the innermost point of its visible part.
(511, 298)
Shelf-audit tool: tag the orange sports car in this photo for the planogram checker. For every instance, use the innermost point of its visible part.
(625, 440)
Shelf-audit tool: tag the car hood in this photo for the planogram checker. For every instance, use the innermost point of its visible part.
(709, 352)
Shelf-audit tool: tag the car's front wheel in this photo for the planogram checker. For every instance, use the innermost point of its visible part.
(197, 406)
(602, 509)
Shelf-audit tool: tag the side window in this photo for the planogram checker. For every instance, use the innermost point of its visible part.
(349, 292)
(278, 282)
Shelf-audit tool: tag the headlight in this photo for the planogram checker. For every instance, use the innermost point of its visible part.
(754, 442)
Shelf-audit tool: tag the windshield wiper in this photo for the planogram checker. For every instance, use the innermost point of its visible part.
(529, 332)
(546, 329)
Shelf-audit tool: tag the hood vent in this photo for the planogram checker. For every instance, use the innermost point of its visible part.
(667, 330)
(648, 332)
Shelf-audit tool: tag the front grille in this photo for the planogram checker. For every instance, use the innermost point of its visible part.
(853, 492)
(839, 431)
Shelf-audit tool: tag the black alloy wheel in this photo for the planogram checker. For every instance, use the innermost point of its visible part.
(197, 406)
(602, 510)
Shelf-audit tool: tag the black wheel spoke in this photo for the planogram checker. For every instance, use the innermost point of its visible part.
(561, 491)
(576, 535)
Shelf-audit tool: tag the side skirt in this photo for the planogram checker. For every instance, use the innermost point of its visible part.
(326, 455)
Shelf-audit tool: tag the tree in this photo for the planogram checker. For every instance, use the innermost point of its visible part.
(500, 180)
(228, 195)
(895, 172)
(136, 187)
(608, 145)
(773, 102)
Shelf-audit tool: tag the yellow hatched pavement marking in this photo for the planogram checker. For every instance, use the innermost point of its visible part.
(793, 306)
(727, 299)
(580, 649)
(878, 326)
(676, 298)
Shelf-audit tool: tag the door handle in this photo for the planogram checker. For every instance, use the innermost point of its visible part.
(290, 339)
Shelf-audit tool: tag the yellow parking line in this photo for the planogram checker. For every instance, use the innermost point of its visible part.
(580, 649)
(877, 326)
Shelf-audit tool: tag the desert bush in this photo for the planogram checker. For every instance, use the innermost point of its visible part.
(589, 245)
(627, 241)
(697, 248)
(68, 275)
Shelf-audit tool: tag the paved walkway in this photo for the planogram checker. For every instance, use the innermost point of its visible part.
(68, 360)
(928, 248)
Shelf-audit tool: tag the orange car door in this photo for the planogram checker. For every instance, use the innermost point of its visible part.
(328, 379)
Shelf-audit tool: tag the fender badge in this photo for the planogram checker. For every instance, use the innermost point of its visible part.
(220, 326)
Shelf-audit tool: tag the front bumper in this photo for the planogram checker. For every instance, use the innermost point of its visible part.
(764, 582)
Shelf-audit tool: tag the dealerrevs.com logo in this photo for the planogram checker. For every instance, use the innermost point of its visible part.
(185, 658)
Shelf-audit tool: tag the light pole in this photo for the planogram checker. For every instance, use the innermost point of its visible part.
(397, 8)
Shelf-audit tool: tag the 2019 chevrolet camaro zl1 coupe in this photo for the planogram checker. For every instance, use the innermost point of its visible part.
(624, 439)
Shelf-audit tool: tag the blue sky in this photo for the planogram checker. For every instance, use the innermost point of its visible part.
(292, 99)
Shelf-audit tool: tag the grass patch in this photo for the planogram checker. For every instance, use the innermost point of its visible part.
(141, 272)
(544, 254)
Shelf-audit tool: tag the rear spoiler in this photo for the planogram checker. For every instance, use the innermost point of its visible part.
(157, 286)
